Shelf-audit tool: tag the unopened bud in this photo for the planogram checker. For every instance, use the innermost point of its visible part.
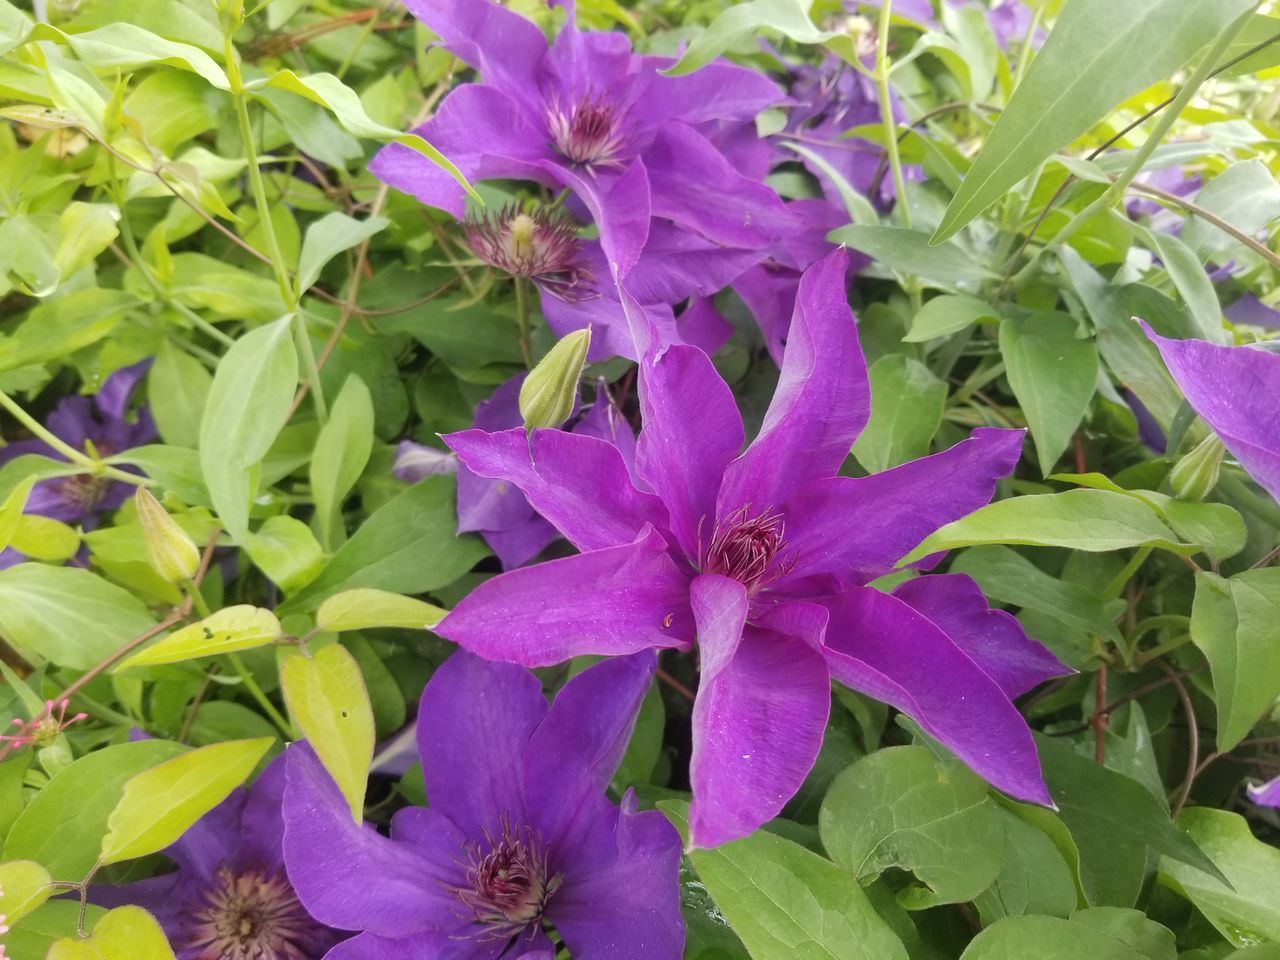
(548, 393)
(1196, 474)
(173, 554)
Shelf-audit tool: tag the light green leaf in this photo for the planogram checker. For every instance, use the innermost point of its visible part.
(1149, 940)
(1053, 374)
(14, 26)
(328, 237)
(364, 608)
(248, 404)
(127, 47)
(231, 629)
(24, 886)
(1245, 195)
(177, 389)
(159, 805)
(788, 17)
(46, 539)
(1046, 938)
(1099, 54)
(342, 450)
(327, 696)
(948, 314)
(1193, 284)
(11, 510)
(125, 933)
(1034, 876)
(58, 327)
(909, 252)
(907, 401)
(87, 229)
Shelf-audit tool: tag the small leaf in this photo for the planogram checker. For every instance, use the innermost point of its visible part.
(125, 933)
(1046, 938)
(159, 805)
(907, 402)
(328, 237)
(287, 551)
(909, 252)
(229, 630)
(788, 17)
(364, 608)
(11, 510)
(24, 886)
(341, 452)
(330, 703)
(948, 314)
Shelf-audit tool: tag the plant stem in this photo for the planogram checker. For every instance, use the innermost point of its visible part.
(256, 692)
(886, 110)
(95, 467)
(522, 320)
(1117, 583)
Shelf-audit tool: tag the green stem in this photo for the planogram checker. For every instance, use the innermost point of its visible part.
(886, 110)
(96, 467)
(522, 320)
(310, 368)
(197, 599)
(256, 692)
(1146, 656)
(1113, 589)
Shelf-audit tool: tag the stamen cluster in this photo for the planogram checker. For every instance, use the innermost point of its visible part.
(590, 133)
(509, 882)
(250, 914)
(540, 245)
(749, 549)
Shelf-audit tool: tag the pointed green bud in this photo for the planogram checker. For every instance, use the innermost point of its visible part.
(173, 554)
(1196, 474)
(546, 399)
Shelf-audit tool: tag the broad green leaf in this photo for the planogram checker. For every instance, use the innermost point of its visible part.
(1053, 374)
(909, 252)
(947, 314)
(87, 230)
(327, 696)
(1092, 520)
(177, 390)
(31, 938)
(287, 551)
(1236, 624)
(248, 404)
(127, 47)
(1193, 284)
(43, 538)
(36, 617)
(787, 17)
(1034, 876)
(14, 26)
(125, 933)
(363, 608)
(341, 453)
(907, 401)
(386, 698)
(409, 545)
(1046, 938)
(160, 804)
(1247, 911)
(1245, 195)
(24, 886)
(241, 627)
(785, 901)
(74, 95)
(58, 327)
(328, 237)
(902, 807)
(205, 283)
(63, 826)
(11, 510)
(1150, 940)
(1098, 55)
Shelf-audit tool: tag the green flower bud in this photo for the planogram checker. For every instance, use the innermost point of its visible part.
(546, 399)
(173, 554)
(1196, 474)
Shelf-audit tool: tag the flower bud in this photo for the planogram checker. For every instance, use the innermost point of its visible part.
(173, 554)
(548, 393)
(1196, 474)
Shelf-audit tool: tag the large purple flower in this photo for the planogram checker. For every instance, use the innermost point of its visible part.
(101, 425)
(764, 557)
(230, 899)
(519, 833)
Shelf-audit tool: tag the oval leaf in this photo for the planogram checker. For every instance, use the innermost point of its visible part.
(125, 933)
(24, 886)
(229, 630)
(364, 608)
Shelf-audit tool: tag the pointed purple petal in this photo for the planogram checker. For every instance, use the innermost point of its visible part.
(1267, 795)
(474, 724)
(613, 601)
(718, 91)
(262, 818)
(580, 64)
(856, 529)
(117, 390)
(579, 483)
(678, 264)
(878, 645)
(437, 946)
(619, 205)
(760, 714)
(213, 839)
(821, 403)
(702, 325)
(1234, 390)
(348, 875)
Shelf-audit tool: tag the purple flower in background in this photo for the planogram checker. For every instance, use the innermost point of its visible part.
(1267, 795)
(764, 557)
(230, 899)
(1250, 311)
(519, 832)
(100, 425)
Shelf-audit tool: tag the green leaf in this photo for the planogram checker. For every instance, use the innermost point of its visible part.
(1149, 940)
(1046, 938)
(1053, 374)
(87, 230)
(58, 327)
(127, 47)
(287, 551)
(1236, 624)
(159, 805)
(328, 237)
(342, 450)
(787, 17)
(248, 404)
(11, 510)
(1034, 876)
(1092, 520)
(36, 617)
(909, 252)
(1099, 54)
(948, 314)
(1245, 195)
(902, 807)
(363, 608)
(63, 826)
(231, 629)
(907, 401)
(1193, 284)
(125, 933)
(409, 545)
(31, 938)
(24, 886)
(327, 696)
(786, 902)
(177, 390)
(1248, 910)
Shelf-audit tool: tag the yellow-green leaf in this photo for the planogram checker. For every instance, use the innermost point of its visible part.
(126, 933)
(229, 630)
(24, 885)
(362, 608)
(43, 538)
(11, 510)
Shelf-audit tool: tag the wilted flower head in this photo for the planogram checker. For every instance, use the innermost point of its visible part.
(539, 244)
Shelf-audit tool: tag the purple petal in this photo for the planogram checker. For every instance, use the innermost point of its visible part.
(261, 832)
(1267, 795)
(1234, 390)
(579, 483)
(701, 325)
(821, 403)
(606, 422)
(1251, 311)
(348, 875)
(474, 724)
(878, 645)
(619, 205)
(437, 946)
(718, 91)
(625, 906)
(692, 430)
(581, 64)
(73, 422)
(576, 750)
(117, 390)
(761, 710)
(416, 461)
(678, 264)
(993, 639)
(613, 601)
(770, 294)
(211, 840)
(856, 529)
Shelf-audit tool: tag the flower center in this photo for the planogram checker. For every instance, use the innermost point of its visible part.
(588, 133)
(509, 882)
(541, 246)
(251, 915)
(749, 549)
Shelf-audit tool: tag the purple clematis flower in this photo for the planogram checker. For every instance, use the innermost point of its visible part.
(230, 899)
(1266, 795)
(764, 557)
(101, 424)
(519, 833)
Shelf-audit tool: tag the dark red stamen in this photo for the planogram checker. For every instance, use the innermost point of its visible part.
(749, 549)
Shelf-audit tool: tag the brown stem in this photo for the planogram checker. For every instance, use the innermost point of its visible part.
(675, 685)
(1193, 735)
